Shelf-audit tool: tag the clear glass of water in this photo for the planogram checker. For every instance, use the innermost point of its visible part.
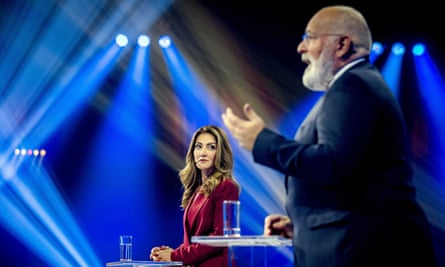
(126, 246)
(231, 218)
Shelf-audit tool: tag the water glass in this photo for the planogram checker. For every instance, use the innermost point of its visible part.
(126, 246)
(231, 218)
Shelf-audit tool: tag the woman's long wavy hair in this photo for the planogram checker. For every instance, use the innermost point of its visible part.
(190, 175)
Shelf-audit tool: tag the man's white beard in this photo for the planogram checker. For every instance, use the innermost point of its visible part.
(317, 76)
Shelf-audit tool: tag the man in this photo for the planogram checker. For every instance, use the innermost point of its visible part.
(348, 178)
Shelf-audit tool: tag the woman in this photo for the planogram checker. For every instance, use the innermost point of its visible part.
(207, 180)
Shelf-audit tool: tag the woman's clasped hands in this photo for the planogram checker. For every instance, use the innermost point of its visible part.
(162, 253)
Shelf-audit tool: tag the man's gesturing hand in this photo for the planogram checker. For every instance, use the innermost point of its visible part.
(245, 131)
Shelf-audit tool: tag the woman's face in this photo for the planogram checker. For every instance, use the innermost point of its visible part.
(205, 152)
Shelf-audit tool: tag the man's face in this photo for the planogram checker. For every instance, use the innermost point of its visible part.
(318, 53)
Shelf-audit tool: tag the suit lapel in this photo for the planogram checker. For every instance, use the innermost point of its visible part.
(307, 126)
(192, 211)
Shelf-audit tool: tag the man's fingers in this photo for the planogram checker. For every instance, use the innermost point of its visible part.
(230, 120)
(240, 129)
(249, 112)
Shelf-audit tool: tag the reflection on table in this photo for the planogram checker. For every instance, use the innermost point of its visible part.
(144, 263)
(249, 240)
(253, 251)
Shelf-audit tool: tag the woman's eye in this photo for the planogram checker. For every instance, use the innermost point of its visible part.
(211, 147)
(198, 146)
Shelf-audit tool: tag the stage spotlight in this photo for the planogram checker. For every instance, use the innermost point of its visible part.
(143, 40)
(398, 49)
(377, 48)
(418, 49)
(164, 41)
(121, 40)
(29, 152)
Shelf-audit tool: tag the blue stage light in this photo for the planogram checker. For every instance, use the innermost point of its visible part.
(121, 40)
(418, 49)
(377, 48)
(164, 41)
(143, 40)
(398, 49)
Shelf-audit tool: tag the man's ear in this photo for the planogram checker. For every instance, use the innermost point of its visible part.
(345, 47)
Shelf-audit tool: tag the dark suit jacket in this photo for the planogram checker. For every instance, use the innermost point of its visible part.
(203, 217)
(349, 179)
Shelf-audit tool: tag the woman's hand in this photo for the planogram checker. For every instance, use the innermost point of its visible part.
(162, 253)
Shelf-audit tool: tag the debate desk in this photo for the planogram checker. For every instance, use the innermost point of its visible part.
(251, 250)
(143, 264)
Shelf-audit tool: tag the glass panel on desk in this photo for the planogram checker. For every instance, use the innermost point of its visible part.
(249, 240)
(144, 263)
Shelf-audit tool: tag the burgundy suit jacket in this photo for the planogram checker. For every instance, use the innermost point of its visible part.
(203, 217)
